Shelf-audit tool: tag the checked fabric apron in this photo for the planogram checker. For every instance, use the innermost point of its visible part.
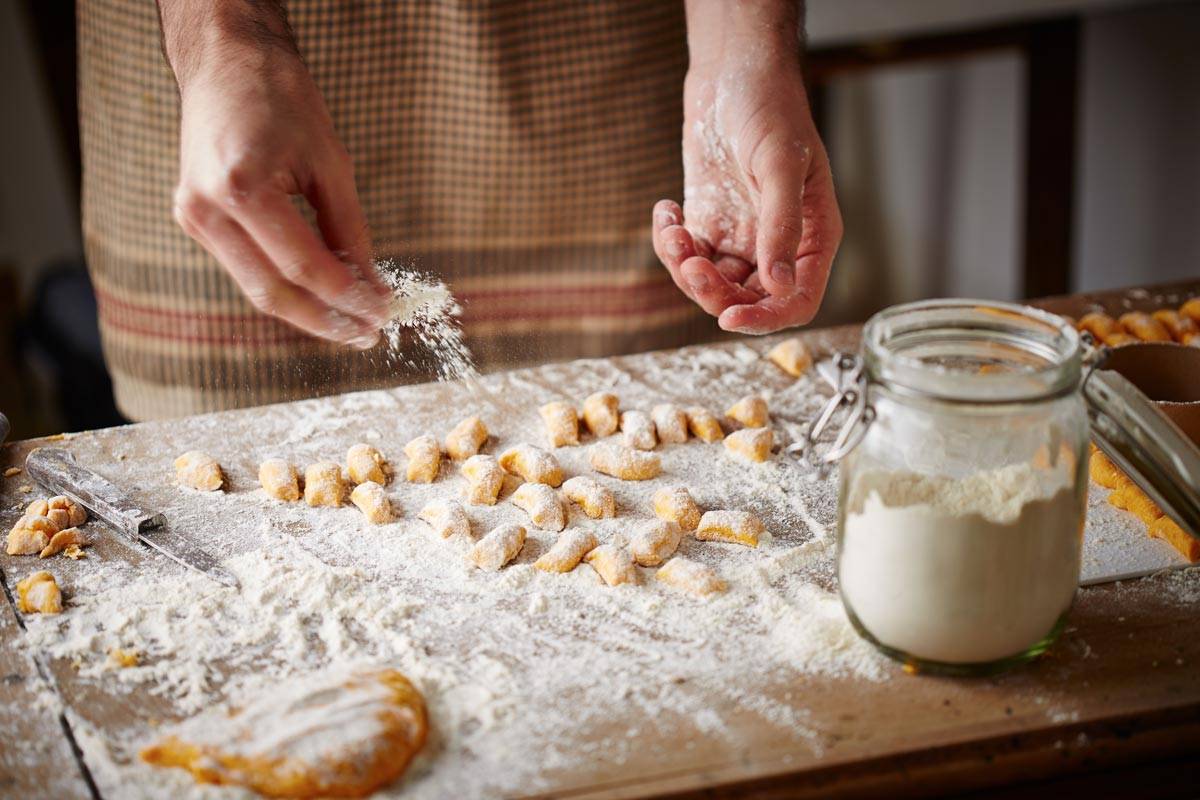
(514, 148)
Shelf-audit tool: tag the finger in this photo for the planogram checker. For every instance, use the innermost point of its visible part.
(781, 171)
(734, 269)
(667, 213)
(673, 245)
(303, 259)
(342, 222)
(710, 289)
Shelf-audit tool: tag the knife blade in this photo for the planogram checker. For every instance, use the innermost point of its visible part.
(59, 473)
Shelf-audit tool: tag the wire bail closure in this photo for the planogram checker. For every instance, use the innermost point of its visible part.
(849, 392)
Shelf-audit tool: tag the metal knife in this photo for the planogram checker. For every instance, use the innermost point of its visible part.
(56, 470)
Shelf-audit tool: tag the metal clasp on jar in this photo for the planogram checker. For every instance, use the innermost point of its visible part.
(849, 392)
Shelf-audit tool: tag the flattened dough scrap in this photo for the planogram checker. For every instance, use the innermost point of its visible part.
(690, 576)
(734, 527)
(624, 462)
(499, 547)
(333, 734)
(199, 471)
(567, 552)
(597, 501)
(542, 504)
(71, 537)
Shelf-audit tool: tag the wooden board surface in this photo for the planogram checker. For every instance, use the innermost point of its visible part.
(1119, 688)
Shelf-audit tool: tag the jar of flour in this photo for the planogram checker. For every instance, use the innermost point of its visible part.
(964, 477)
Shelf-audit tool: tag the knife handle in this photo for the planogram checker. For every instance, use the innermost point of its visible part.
(58, 472)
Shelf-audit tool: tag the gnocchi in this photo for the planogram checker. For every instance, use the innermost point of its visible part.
(446, 517)
(791, 356)
(638, 430)
(465, 438)
(625, 462)
(597, 501)
(567, 552)
(690, 576)
(1169, 531)
(1180, 327)
(750, 444)
(675, 504)
(542, 504)
(654, 542)
(39, 594)
(670, 423)
(704, 425)
(1104, 472)
(424, 459)
(1144, 327)
(751, 411)
(613, 564)
(365, 463)
(562, 423)
(499, 547)
(1132, 499)
(532, 464)
(71, 537)
(324, 485)
(484, 477)
(733, 527)
(1099, 325)
(601, 413)
(279, 479)
(373, 502)
(200, 471)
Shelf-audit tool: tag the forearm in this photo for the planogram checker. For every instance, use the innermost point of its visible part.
(199, 33)
(717, 28)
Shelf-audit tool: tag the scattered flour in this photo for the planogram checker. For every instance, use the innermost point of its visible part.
(424, 332)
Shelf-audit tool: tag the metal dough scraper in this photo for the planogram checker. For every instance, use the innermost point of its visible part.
(58, 472)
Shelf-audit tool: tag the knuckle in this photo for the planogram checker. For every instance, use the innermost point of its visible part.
(264, 298)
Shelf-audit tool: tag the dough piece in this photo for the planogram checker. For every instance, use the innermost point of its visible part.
(373, 502)
(484, 477)
(654, 542)
(64, 511)
(30, 535)
(1120, 339)
(499, 547)
(567, 552)
(613, 564)
(690, 576)
(704, 425)
(198, 471)
(332, 735)
(542, 504)
(751, 411)
(1132, 499)
(596, 501)
(1169, 531)
(424, 459)
(638, 430)
(1191, 309)
(675, 504)
(562, 423)
(1180, 327)
(465, 439)
(532, 464)
(600, 413)
(446, 517)
(750, 444)
(791, 356)
(39, 594)
(625, 462)
(1099, 325)
(670, 423)
(122, 658)
(1144, 327)
(365, 463)
(279, 479)
(323, 484)
(62, 540)
(37, 508)
(734, 527)
(1104, 472)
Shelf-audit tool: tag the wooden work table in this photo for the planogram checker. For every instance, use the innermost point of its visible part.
(1123, 678)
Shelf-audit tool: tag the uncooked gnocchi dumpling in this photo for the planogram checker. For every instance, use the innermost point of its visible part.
(532, 464)
(734, 527)
(64, 511)
(704, 425)
(750, 444)
(373, 502)
(670, 423)
(601, 413)
(654, 541)
(690, 576)
(791, 356)
(424, 459)
(279, 479)
(597, 501)
(484, 477)
(625, 463)
(675, 504)
(567, 552)
(542, 504)
(323, 484)
(465, 439)
(613, 564)
(499, 547)
(446, 517)
(30, 535)
(638, 430)
(198, 471)
(562, 423)
(365, 463)
(39, 594)
(751, 411)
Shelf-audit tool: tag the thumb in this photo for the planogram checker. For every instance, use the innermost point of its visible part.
(780, 216)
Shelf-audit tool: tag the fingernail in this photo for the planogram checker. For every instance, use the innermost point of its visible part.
(783, 272)
(674, 248)
(666, 218)
(698, 281)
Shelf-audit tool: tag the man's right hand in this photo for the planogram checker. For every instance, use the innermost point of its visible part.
(254, 132)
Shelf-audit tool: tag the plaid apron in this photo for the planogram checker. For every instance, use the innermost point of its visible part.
(514, 148)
